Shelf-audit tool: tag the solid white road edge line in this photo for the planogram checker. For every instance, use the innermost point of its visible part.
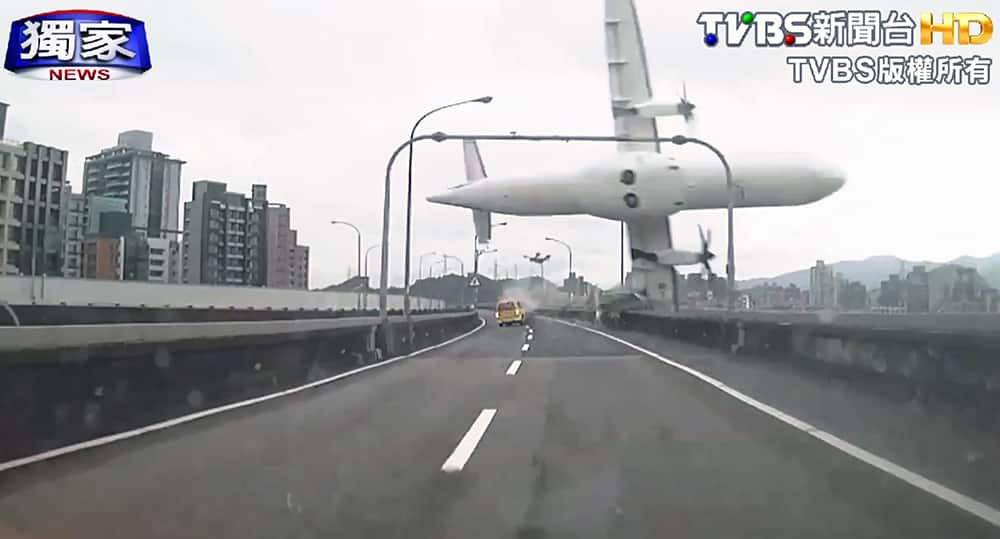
(512, 370)
(963, 502)
(463, 451)
(111, 438)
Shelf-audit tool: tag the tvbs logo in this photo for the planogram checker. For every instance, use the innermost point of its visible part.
(843, 28)
(77, 45)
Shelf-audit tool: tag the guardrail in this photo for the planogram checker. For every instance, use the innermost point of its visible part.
(38, 338)
(956, 361)
(58, 315)
(67, 384)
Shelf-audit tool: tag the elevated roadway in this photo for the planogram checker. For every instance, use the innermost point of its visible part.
(550, 432)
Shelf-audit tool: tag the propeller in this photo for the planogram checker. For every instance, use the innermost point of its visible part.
(706, 254)
(686, 109)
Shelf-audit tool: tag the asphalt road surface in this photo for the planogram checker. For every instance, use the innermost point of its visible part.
(584, 437)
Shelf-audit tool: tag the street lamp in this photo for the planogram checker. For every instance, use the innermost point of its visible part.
(439, 137)
(461, 264)
(356, 229)
(476, 252)
(420, 270)
(409, 211)
(364, 302)
(445, 257)
(497, 266)
(475, 247)
(570, 279)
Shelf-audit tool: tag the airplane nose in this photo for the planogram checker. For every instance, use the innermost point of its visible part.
(831, 177)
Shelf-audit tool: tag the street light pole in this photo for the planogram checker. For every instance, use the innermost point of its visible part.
(475, 260)
(356, 229)
(364, 302)
(420, 271)
(461, 263)
(570, 278)
(439, 137)
(409, 213)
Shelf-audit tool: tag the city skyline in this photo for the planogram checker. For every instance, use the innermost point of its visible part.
(227, 94)
(123, 222)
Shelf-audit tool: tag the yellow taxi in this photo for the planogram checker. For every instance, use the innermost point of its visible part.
(510, 312)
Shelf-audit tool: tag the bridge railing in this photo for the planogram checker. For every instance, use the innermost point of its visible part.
(951, 356)
(68, 384)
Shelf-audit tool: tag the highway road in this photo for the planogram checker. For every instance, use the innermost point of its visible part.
(578, 436)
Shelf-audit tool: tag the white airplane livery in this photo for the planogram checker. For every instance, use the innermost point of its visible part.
(640, 185)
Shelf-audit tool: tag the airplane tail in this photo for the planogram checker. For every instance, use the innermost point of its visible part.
(476, 171)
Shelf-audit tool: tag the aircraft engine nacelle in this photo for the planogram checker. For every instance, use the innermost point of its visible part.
(654, 109)
(632, 185)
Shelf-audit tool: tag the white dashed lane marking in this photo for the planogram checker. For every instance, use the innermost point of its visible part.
(463, 451)
(512, 370)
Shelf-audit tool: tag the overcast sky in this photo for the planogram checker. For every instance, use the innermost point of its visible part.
(311, 97)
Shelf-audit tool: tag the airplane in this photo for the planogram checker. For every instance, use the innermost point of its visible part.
(640, 186)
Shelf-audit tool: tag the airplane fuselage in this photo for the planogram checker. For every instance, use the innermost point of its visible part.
(643, 184)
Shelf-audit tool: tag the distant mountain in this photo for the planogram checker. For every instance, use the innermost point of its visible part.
(873, 270)
(988, 267)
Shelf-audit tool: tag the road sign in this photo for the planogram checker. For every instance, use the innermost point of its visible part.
(474, 282)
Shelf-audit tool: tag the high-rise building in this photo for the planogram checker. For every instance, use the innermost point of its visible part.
(892, 293)
(287, 262)
(149, 180)
(852, 296)
(225, 236)
(918, 290)
(298, 277)
(102, 258)
(82, 219)
(32, 185)
(73, 234)
(822, 286)
(164, 261)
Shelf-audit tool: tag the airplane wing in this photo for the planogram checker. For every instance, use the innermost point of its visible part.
(628, 75)
(475, 171)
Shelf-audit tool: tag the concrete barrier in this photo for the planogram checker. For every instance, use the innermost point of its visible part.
(94, 292)
(85, 382)
(958, 361)
(57, 315)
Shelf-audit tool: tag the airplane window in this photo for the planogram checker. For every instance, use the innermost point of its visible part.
(628, 177)
(631, 200)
